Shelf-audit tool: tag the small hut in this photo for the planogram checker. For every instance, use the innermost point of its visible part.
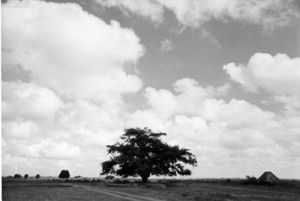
(268, 178)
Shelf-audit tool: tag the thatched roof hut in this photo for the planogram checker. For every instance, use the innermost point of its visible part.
(268, 178)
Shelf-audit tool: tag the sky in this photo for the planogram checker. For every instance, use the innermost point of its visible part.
(221, 78)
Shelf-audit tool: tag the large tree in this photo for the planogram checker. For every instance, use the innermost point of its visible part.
(142, 153)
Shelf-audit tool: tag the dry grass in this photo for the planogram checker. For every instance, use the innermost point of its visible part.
(193, 191)
(54, 192)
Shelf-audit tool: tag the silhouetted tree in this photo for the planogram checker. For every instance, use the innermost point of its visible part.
(26, 176)
(17, 176)
(250, 180)
(64, 174)
(142, 153)
(37, 176)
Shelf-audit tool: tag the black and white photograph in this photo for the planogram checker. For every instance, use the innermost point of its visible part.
(150, 100)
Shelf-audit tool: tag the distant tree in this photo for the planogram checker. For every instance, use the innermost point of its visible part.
(26, 176)
(64, 174)
(17, 176)
(142, 153)
(37, 176)
(250, 180)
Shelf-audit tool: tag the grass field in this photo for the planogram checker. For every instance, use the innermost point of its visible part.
(26, 190)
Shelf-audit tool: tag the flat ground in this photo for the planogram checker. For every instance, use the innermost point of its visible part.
(52, 190)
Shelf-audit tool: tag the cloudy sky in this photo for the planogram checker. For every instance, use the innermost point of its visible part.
(221, 78)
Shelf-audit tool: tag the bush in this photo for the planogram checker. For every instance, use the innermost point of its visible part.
(26, 176)
(250, 180)
(228, 180)
(37, 176)
(17, 176)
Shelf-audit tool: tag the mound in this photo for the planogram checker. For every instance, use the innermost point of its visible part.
(268, 178)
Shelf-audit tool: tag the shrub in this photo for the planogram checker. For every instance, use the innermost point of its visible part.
(17, 176)
(26, 176)
(37, 176)
(250, 180)
(228, 180)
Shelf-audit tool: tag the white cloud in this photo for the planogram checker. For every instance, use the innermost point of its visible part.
(71, 103)
(269, 13)
(61, 150)
(28, 101)
(188, 98)
(83, 58)
(166, 45)
(46, 149)
(162, 101)
(223, 135)
(19, 129)
(277, 74)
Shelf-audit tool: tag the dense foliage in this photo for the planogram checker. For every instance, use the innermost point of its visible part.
(64, 174)
(142, 153)
(17, 176)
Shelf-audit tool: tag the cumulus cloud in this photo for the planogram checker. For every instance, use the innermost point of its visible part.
(83, 58)
(66, 76)
(269, 13)
(71, 103)
(232, 135)
(19, 129)
(188, 98)
(28, 101)
(277, 74)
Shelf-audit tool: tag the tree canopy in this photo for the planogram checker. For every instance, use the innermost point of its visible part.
(64, 174)
(142, 153)
(17, 176)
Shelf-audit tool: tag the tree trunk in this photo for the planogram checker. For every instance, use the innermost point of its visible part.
(145, 176)
(144, 179)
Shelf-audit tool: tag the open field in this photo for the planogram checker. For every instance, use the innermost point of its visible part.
(34, 190)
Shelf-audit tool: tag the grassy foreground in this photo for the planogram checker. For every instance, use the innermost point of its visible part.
(34, 190)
